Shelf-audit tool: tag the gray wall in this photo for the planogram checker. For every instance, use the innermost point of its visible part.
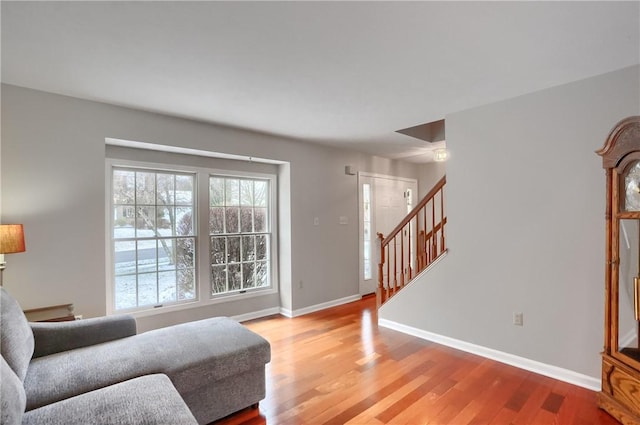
(525, 206)
(428, 176)
(53, 181)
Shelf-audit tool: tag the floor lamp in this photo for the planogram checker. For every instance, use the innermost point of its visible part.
(11, 241)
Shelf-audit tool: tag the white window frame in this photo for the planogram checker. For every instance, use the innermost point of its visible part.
(203, 262)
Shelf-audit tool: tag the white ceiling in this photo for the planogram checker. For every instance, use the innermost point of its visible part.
(342, 73)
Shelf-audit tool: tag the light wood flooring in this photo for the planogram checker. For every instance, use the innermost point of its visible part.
(337, 367)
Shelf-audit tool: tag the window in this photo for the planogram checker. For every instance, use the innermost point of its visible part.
(366, 220)
(239, 234)
(153, 237)
(191, 235)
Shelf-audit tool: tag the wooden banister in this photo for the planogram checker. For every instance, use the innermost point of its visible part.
(438, 186)
(415, 243)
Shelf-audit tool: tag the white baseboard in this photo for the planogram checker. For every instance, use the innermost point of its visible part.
(322, 306)
(256, 314)
(551, 371)
(286, 312)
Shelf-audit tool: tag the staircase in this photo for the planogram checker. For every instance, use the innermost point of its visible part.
(413, 245)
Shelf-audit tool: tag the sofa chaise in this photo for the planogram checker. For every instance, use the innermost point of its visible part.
(99, 371)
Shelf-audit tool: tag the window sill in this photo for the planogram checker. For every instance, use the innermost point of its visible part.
(153, 311)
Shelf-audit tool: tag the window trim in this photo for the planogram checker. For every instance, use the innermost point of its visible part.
(203, 292)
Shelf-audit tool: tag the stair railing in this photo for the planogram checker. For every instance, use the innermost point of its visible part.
(415, 243)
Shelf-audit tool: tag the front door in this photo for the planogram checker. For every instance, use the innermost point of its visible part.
(384, 201)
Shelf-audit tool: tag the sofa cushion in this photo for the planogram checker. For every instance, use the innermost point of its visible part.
(12, 397)
(149, 400)
(190, 354)
(16, 338)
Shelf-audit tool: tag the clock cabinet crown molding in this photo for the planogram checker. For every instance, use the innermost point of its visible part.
(620, 141)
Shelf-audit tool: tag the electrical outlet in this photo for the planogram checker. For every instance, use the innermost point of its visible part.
(518, 319)
(300, 285)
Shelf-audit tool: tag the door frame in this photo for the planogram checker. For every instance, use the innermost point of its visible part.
(374, 247)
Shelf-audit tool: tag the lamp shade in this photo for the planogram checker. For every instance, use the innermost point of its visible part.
(11, 238)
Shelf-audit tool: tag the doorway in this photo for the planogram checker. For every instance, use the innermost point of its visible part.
(383, 202)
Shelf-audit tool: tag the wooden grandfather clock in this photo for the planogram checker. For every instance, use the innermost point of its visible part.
(620, 395)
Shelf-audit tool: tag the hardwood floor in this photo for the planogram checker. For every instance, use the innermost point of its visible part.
(337, 367)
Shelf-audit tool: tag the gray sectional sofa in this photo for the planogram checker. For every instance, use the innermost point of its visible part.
(99, 371)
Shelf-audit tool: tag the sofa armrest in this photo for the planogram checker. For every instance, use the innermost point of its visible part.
(55, 337)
